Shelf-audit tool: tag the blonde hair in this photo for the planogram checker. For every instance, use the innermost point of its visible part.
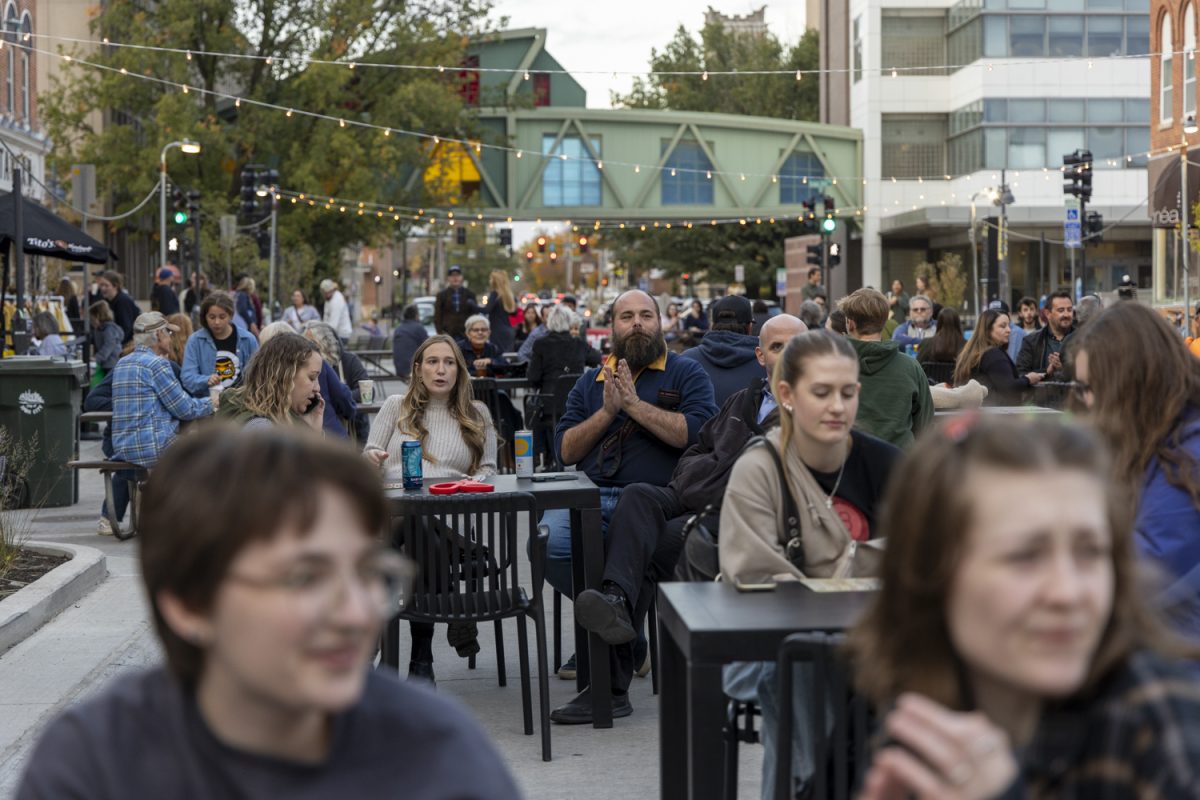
(471, 423)
(327, 342)
(271, 373)
(272, 330)
(500, 285)
(179, 340)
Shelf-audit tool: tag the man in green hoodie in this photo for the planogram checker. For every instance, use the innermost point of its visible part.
(895, 403)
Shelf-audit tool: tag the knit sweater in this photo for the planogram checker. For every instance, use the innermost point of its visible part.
(451, 456)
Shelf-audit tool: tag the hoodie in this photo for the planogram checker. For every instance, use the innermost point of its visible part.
(895, 403)
(729, 360)
(1167, 530)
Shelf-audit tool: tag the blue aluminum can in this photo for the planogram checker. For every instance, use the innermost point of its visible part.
(410, 461)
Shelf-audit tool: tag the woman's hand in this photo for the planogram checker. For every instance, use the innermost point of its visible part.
(1034, 378)
(939, 754)
(214, 379)
(315, 417)
(376, 455)
(482, 363)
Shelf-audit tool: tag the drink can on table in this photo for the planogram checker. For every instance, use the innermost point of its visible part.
(410, 460)
(366, 391)
(214, 396)
(523, 448)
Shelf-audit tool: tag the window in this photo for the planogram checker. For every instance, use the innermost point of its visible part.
(1106, 111)
(1106, 142)
(1060, 141)
(914, 145)
(1137, 110)
(541, 89)
(1166, 84)
(912, 42)
(686, 177)
(796, 178)
(575, 181)
(10, 104)
(1066, 111)
(1026, 36)
(1137, 36)
(1026, 111)
(858, 61)
(1066, 37)
(25, 87)
(995, 36)
(1104, 36)
(1189, 62)
(1026, 148)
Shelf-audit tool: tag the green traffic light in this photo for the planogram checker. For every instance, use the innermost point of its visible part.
(828, 225)
(181, 217)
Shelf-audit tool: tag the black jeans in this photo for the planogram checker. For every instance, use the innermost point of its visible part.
(645, 538)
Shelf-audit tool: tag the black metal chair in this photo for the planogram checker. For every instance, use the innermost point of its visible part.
(738, 728)
(939, 371)
(467, 547)
(485, 391)
(1052, 394)
(841, 757)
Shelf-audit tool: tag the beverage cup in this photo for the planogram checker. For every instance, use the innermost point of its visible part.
(366, 391)
(214, 396)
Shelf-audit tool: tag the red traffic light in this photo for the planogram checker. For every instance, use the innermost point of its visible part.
(553, 256)
(529, 255)
(687, 276)
(541, 243)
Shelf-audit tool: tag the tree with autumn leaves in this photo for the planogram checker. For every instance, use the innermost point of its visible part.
(139, 89)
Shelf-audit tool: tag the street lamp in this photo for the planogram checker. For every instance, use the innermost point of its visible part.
(191, 148)
(1189, 128)
(995, 198)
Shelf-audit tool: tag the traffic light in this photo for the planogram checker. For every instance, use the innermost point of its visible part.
(541, 243)
(516, 277)
(583, 245)
(179, 200)
(829, 224)
(249, 195)
(553, 256)
(173, 245)
(506, 236)
(181, 217)
(1094, 228)
(529, 256)
(460, 235)
(810, 209)
(193, 202)
(835, 254)
(1079, 174)
(814, 256)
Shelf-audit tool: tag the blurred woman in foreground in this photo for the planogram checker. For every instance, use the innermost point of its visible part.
(1010, 637)
(268, 604)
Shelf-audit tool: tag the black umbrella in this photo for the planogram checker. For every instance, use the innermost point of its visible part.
(46, 234)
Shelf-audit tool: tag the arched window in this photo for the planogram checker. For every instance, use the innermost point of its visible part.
(12, 24)
(1189, 61)
(1166, 83)
(26, 46)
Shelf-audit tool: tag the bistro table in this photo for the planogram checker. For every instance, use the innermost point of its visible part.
(709, 625)
(578, 494)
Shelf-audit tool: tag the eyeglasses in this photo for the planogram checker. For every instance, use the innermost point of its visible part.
(386, 577)
(479, 330)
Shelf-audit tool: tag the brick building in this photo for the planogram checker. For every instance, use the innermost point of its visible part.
(20, 127)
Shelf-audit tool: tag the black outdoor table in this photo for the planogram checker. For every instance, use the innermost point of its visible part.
(582, 498)
(709, 625)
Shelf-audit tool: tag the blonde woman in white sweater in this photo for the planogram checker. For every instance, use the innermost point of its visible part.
(458, 440)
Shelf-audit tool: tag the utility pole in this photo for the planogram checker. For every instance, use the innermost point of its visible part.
(273, 277)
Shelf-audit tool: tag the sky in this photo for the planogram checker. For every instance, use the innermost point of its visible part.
(619, 34)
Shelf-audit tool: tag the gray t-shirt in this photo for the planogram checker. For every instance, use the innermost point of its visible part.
(143, 736)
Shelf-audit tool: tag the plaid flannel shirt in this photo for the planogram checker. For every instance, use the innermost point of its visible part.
(1136, 736)
(148, 403)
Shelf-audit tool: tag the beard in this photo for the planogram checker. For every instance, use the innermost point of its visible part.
(639, 348)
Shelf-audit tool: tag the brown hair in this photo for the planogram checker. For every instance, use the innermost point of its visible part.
(222, 300)
(100, 312)
(235, 488)
(1143, 381)
(979, 344)
(947, 341)
(867, 309)
(113, 277)
(412, 408)
(903, 641)
(179, 340)
(271, 373)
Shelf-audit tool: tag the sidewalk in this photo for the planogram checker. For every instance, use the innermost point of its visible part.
(110, 630)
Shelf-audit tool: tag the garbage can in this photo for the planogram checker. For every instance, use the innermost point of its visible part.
(39, 409)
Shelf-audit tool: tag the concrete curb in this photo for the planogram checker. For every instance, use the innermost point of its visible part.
(28, 609)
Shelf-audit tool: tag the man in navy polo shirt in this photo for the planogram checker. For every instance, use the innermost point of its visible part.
(627, 421)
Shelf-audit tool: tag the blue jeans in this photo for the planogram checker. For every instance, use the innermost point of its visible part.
(558, 549)
(120, 482)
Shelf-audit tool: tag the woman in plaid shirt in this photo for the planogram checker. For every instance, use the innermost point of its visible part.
(1011, 639)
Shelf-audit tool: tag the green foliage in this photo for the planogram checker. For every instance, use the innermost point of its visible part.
(16, 459)
(312, 156)
(947, 280)
(716, 250)
(718, 50)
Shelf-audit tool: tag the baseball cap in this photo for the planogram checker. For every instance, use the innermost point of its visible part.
(328, 285)
(152, 321)
(998, 305)
(733, 308)
(454, 269)
(165, 274)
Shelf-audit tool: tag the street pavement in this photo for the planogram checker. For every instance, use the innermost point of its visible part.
(110, 630)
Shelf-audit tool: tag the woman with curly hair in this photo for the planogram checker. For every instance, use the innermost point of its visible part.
(280, 386)
(458, 440)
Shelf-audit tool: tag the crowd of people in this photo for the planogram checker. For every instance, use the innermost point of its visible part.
(1040, 579)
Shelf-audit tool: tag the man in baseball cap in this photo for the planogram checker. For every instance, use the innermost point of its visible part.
(162, 296)
(727, 351)
(337, 311)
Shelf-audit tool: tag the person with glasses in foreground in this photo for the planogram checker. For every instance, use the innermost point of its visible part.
(1010, 644)
(1140, 387)
(269, 580)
